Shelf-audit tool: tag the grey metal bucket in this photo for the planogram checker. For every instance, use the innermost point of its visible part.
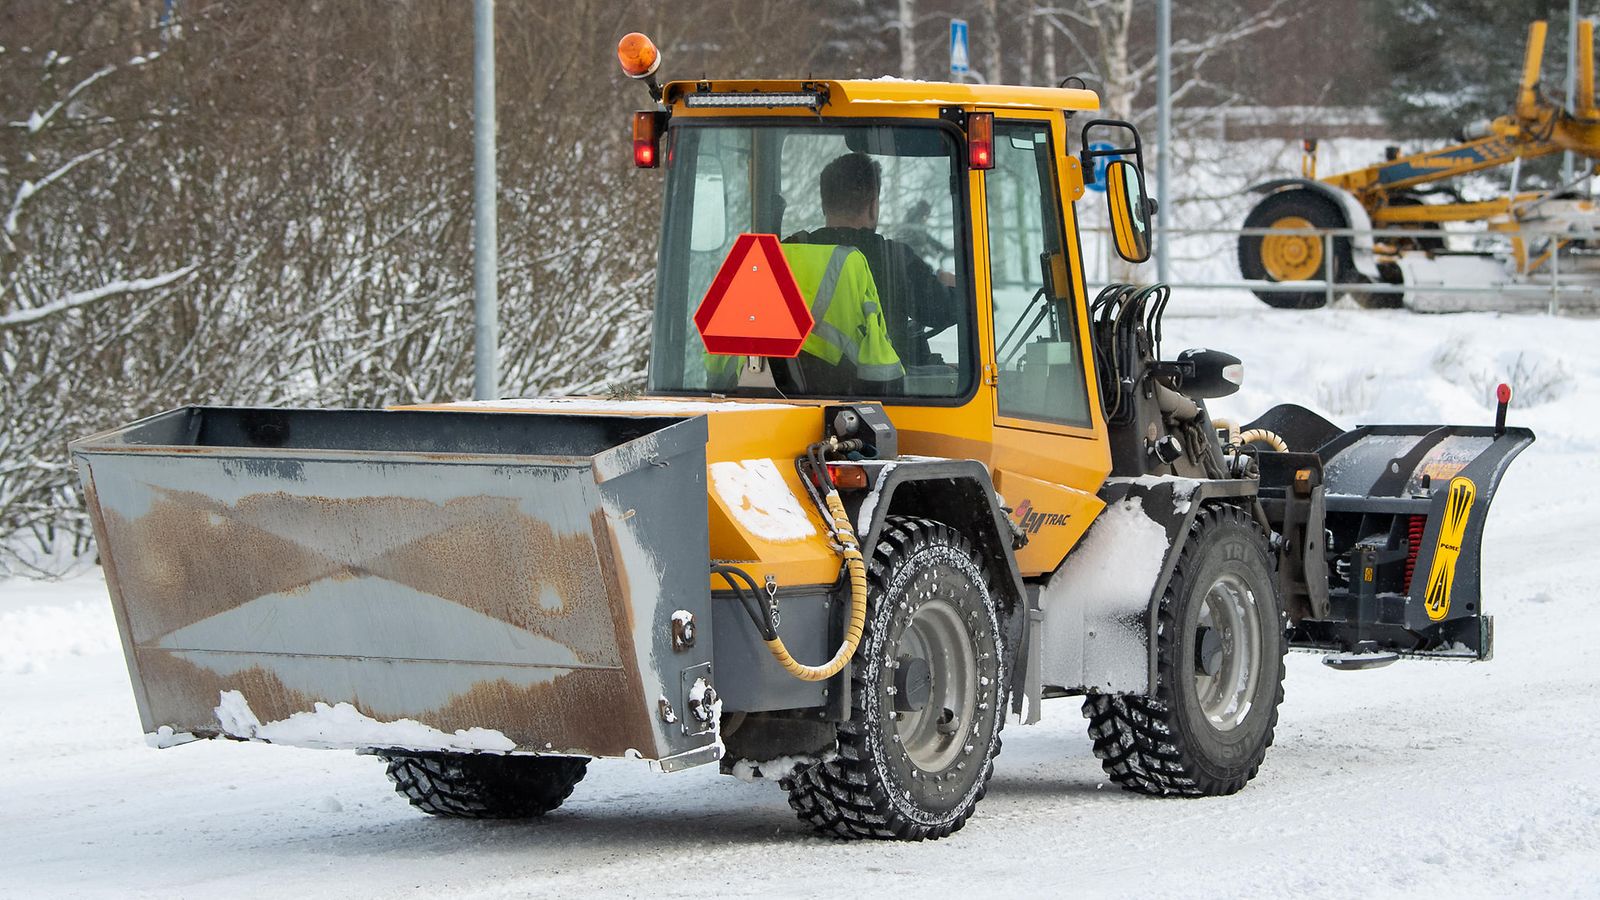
(462, 580)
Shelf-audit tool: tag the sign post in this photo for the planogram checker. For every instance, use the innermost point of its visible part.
(960, 60)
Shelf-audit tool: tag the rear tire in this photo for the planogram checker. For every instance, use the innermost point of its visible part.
(1294, 257)
(1200, 734)
(928, 689)
(484, 786)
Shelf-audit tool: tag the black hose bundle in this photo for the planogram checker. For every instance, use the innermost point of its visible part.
(1126, 327)
(760, 612)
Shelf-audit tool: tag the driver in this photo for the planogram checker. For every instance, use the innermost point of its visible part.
(917, 301)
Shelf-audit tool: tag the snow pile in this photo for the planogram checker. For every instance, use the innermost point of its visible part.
(165, 737)
(1182, 488)
(32, 637)
(1378, 366)
(761, 501)
(344, 726)
(752, 770)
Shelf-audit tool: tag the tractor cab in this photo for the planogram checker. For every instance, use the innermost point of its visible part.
(907, 243)
(928, 231)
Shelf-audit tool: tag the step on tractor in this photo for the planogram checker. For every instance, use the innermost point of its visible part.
(897, 479)
(1529, 237)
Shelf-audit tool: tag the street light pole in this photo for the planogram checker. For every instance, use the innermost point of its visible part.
(485, 261)
(1164, 130)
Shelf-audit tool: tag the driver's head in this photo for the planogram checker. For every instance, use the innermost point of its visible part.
(850, 192)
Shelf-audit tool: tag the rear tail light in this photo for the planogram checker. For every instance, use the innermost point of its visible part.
(980, 140)
(647, 128)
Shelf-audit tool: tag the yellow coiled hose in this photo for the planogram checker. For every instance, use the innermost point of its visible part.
(1263, 436)
(1253, 436)
(858, 602)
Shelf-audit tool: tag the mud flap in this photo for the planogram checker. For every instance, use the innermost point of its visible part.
(1405, 507)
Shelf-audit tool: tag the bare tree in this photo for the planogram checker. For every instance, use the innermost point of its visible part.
(1112, 43)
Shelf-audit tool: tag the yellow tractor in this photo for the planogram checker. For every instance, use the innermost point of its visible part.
(897, 479)
(1531, 224)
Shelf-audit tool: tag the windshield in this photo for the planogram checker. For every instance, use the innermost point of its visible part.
(868, 218)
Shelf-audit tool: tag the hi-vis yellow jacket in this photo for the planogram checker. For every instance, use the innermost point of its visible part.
(849, 322)
(844, 303)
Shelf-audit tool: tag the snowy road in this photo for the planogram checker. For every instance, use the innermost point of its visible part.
(1423, 778)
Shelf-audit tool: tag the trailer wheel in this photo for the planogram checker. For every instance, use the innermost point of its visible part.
(1220, 643)
(482, 786)
(927, 691)
(1294, 257)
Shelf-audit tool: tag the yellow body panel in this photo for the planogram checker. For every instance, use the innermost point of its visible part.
(887, 97)
(1053, 517)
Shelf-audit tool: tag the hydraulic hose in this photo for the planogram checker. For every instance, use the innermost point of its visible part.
(1263, 436)
(857, 569)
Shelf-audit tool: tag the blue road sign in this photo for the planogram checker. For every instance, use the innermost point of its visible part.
(1097, 178)
(960, 62)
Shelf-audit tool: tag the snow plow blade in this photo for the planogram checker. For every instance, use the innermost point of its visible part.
(1403, 507)
(452, 581)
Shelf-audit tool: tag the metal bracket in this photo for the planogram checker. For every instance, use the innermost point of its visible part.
(686, 680)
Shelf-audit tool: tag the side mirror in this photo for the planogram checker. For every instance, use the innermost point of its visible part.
(1206, 374)
(1130, 210)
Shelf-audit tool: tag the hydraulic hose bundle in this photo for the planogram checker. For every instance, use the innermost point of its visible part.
(1126, 325)
(814, 473)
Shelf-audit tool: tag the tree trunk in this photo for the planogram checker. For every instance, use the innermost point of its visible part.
(908, 44)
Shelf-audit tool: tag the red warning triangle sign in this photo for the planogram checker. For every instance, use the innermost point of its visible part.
(754, 307)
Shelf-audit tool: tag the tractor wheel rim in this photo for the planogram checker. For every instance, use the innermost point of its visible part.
(1226, 698)
(935, 736)
(1291, 257)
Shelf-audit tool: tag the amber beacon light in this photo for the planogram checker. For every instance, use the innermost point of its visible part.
(638, 55)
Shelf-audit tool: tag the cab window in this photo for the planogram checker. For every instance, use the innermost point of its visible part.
(869, 220)
(1037, 356)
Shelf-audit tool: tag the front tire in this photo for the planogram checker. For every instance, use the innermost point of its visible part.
(928, 690)
(484, 786)
(1206, 727)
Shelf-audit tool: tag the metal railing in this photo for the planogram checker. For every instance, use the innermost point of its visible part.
(1553, 289)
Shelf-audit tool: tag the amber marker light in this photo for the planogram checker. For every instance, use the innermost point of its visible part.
(848, 477)
(980, 140)
(638, 55)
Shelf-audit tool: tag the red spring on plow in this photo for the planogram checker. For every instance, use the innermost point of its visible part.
(1413, 543)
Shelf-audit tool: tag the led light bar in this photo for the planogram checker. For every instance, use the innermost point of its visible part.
(759, 99)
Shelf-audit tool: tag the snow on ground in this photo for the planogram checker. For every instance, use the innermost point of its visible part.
(1425, 778)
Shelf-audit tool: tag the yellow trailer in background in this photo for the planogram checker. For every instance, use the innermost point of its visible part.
(1386, 195)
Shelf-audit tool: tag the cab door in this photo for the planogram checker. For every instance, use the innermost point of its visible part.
(1050, 453)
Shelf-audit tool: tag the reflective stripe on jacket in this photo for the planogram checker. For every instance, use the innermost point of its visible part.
(844, 304)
